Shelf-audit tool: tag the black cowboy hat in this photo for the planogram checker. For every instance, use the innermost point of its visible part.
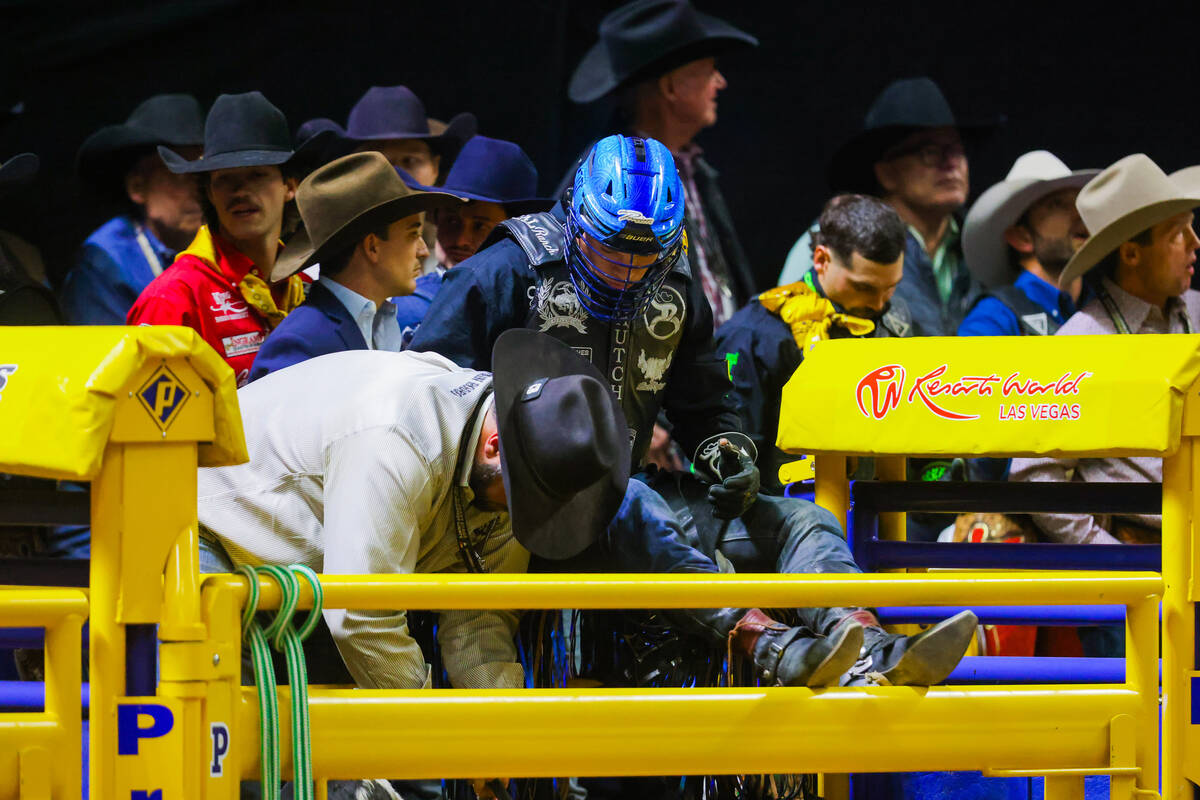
(109, 153)
(242, 130)
(564, 443)
(18, 171)
(395, 112)
(905, 106)
(646, 38)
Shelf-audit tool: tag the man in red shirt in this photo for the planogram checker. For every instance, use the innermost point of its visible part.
(220, 284)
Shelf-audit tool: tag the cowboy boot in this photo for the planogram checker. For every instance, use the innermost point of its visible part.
(794, 656)
(891, 659)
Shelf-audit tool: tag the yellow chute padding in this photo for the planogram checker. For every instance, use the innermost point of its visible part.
(1008, 396)
(60, 386)
(805, 469)
(809, 315)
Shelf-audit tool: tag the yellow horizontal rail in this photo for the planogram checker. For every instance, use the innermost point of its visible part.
(436, 591)
(35, 607)
(556, 732)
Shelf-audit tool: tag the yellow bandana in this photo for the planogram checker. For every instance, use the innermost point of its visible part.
(254, 289)
(809, 315)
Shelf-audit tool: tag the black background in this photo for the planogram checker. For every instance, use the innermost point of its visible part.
(1088, 82)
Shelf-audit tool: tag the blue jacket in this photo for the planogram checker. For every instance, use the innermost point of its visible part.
(110, 272)
(761, 354)
(411, 308)
(918, 289)
(992, 317)
(321, 325)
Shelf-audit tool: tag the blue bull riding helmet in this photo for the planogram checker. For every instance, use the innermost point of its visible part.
(628, 197)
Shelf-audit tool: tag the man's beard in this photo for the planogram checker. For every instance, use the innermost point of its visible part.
(1052, 254)
(482, 477)
(869, 313)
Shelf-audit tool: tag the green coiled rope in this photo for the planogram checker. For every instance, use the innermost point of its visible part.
(289, 641)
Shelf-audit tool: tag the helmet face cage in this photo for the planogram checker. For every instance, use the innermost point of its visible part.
(628, 197)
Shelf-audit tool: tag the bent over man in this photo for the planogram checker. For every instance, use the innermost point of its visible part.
(607, 273)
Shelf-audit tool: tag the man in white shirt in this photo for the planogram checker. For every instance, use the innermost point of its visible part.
(362, 224)
(374, 463)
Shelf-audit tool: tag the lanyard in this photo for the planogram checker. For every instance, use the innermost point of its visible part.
(468, 553)
(148, 251)
(1118, 319)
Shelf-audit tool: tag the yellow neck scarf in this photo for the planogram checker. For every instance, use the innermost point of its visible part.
(809, 315)
(254, 289)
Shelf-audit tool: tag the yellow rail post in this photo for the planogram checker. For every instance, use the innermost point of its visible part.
(1179, 668)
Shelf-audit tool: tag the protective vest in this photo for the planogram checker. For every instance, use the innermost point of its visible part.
(635, 357)
(1032, 319)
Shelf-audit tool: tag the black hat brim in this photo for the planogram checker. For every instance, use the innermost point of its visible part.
(299, 252)
(544, 525)
(596, 76)
(110, 152)
(460, 128)
(19, 170)
(852, 166)
(231, 160)
(514, 208)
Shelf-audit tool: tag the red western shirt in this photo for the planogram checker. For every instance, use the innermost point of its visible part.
(200, 290)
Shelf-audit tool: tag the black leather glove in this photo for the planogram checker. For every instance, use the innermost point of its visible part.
(728, 460)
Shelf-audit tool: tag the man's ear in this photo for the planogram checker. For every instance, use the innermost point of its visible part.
(821, 259)
(885, 175)
(1130, 253)
(291, 184)
(369, 244)
(491, 447)
(436, 158)
(135, 187)
(1019, 238)
(666, 86)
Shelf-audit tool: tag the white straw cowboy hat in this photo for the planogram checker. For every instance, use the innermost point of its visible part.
(1122, 201)
(1033, 176)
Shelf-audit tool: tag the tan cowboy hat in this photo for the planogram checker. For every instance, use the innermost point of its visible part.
(1032, 177)
(1122, 201)
(343, 201)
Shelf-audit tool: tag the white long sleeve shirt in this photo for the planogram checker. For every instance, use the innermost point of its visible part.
(354, 457)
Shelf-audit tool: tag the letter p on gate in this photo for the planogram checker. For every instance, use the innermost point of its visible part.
(130, 732)
(220, 747)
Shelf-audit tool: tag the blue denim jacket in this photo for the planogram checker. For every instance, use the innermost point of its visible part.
(110, 272)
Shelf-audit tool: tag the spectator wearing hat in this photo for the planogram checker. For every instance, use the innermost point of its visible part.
(120, 258)
(25, 299)
(911, 154)
(362, 224)
(659, 58)
(1018, 238)
(499, 181)
(1138, 261)
(219, 285)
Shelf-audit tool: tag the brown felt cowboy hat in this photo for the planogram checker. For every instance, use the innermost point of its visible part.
(344, 200)
(1033, 176)
(1122, 201)
(564, 443)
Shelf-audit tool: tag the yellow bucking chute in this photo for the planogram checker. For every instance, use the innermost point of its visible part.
(1020, 395)
(59, 388)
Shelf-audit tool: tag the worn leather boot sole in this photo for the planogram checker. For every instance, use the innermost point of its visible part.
(821, 662)
(933, 654)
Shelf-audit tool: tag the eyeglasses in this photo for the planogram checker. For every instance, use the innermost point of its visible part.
(930, 154)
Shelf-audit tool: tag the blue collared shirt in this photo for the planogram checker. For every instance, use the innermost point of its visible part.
(114, 265)
(991, 317)
(377, 325)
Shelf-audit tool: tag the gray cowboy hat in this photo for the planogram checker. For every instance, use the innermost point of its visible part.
(1032, 177)
(242, 130)
(1122, 201)
(343, 200)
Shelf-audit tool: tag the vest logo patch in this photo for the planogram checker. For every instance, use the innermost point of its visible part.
(664, 316)
(653, 370)
(558, 307)
(1036, 322)
(5, 371)
(243, 343)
